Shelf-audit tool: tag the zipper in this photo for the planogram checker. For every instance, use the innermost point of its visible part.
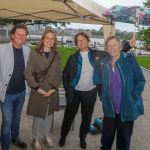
(109, 93)
(122, 91)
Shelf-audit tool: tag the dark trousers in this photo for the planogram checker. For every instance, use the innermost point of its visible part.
(123, 131)
(87, 100)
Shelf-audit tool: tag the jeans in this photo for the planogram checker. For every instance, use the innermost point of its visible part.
(11, 111)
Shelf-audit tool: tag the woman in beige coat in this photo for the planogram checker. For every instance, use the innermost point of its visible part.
(44, 98)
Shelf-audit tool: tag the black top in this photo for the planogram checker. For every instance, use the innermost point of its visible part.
(47, 54)
(17, 81)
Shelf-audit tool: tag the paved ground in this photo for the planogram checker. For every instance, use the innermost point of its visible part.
(140, 139)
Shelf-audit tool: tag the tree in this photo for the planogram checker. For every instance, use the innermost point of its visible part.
(5, 22)
(147, 4)
(144, 34)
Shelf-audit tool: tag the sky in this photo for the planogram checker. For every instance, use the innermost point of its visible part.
(108, 4)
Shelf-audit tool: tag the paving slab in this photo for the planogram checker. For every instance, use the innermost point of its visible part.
(140, 138)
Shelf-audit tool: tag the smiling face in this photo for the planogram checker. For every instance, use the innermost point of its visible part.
(82, 43)
(113, 47)
(49, 40)
(19, 37)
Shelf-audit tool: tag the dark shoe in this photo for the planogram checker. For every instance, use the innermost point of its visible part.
(83, 143)
(62, 141)
(19, 143)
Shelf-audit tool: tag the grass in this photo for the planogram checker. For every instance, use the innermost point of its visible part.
(144, 61)
(65, 53)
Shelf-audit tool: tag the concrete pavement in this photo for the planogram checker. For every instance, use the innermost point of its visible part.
(140, 138)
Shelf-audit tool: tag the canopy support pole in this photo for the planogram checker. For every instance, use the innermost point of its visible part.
(108, 30)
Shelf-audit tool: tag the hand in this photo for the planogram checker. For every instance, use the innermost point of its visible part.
(69, 95)
(42, 92)
(132, 42)
(50, 92)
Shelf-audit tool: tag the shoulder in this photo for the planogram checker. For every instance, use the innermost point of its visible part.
(26, 48)
(128, 56)
(33, 53)
(5, 45)
(105, 59)
(74, 55)
(5, 48)
(56, 54)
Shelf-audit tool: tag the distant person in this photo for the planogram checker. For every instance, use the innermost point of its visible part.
(81, 80)
(43, 74)
(122, 84)
(13, 59)
(95, 46)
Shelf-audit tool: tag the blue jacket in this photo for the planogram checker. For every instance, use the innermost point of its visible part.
(132, 86)
(72, 71)
(96, 77)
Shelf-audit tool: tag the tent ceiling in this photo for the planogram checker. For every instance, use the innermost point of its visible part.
(58, 10)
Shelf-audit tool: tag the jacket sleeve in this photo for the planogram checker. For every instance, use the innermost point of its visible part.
(138, 77)
(29, 71)
(66, 74)
(126, 47)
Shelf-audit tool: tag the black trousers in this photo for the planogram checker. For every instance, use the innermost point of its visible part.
(87, 100)
(123, 131)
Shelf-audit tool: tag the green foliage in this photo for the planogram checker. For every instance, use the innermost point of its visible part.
(147, 37)
(144, 35)
(65, 53)
(5, 22)
(144, 61)
(147, 4)
(124, 35)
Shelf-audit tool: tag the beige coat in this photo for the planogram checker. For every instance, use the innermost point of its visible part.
(38, 105)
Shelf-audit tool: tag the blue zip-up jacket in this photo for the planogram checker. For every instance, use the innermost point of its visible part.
(96, 77)
(72, 71)
(132, 86)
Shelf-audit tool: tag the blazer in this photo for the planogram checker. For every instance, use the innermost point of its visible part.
(7, 65)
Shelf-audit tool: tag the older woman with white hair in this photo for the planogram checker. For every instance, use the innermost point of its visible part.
(122, 84)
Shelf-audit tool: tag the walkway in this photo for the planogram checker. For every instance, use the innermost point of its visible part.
(140, 139)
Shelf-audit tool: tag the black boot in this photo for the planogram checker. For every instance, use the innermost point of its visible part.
(62, 141)
(83, 143)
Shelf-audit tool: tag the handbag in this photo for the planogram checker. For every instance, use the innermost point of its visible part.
(40, 76)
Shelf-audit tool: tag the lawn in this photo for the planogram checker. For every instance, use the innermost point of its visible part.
(65, 53)
(144, 61)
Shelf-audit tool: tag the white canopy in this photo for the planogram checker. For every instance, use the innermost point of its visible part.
(77, 11)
